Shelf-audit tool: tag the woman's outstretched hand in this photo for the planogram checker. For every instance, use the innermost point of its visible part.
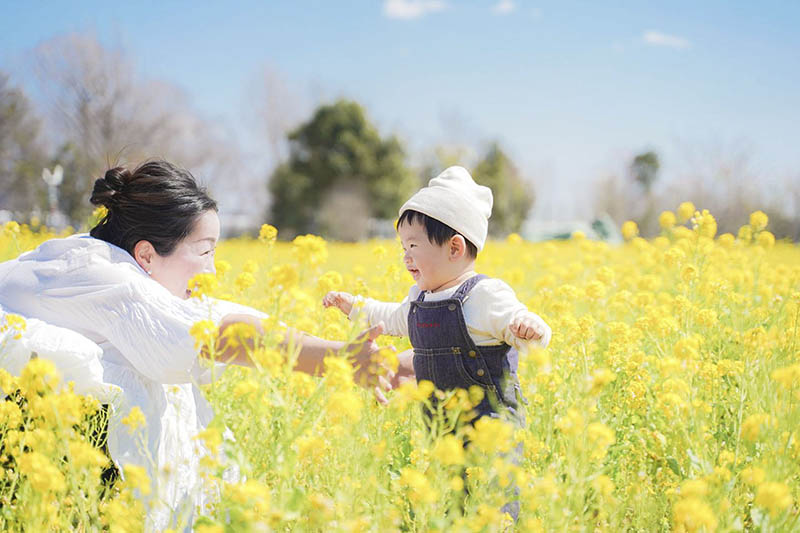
(405, 368)
(371, 370)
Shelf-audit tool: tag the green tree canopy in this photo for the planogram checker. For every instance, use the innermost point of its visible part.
(644, 169)
(513, 198)
(338, 149)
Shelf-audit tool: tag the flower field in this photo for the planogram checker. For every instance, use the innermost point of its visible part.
(668, 399)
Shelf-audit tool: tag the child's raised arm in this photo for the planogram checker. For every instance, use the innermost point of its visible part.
(393, 315)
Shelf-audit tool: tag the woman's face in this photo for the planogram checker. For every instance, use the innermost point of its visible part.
(193, 255)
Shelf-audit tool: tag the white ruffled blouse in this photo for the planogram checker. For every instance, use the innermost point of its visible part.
(97, 290)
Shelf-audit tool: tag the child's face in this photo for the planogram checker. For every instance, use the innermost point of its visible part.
(427, 262)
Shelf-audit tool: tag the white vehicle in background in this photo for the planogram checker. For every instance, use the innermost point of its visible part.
(602, 228)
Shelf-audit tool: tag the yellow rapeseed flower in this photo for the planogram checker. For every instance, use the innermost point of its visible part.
(745, 234)
(630, 230)
(244, 281)
(11, 228)
(136, 478)
(42, 475)
(600, 378)
(694, 488)
(449, 450)
(330, 281)
(310, 249)
(752, 425)
(344, 405)
(693, 514)
(204, 333)
(84, 455)
(222, 267)
(15, 323)
(492, 435)
(245, 388)
(134, 420)
(268, 234)
(601, 437)
(775, 497)
(753, 475)
(38, 377)
(667, 219)
(211, 437)
(685, 211)
(418, 486)
(704, 224)
(765, 239)
(788, 377)
(726, 240)
(758, 220)
(571, 423)
(603, 485)
(514, 238)
(203, 284)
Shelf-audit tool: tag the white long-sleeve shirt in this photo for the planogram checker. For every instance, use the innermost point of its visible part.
(99, 291)
(489, 308)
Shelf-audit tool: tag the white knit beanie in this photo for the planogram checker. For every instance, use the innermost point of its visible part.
(454, 198)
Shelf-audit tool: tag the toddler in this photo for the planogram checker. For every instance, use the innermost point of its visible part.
(465, 328)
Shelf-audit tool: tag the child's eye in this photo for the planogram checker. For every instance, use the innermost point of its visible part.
(211, 251)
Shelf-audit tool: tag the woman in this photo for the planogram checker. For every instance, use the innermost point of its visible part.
(124, 286)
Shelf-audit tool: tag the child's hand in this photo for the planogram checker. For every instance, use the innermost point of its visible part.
(342, 300)
(528, 327)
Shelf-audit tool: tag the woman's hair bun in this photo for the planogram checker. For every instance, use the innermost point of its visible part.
(109, 186)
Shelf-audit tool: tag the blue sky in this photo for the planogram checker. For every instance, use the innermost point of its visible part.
(571, 89)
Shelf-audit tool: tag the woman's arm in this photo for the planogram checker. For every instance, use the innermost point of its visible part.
(312, 349)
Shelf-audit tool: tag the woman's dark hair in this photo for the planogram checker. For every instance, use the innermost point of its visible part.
(438, 232)
(157, 202)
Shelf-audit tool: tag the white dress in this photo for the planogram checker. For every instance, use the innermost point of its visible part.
(98, 290)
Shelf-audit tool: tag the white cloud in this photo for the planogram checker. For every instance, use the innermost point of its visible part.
(504, 7)
(411, 9)
(657, 38)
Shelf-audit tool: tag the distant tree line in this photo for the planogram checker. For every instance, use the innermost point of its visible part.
(95, 112)
(333, 172)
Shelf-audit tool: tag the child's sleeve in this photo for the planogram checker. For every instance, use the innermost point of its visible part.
(502, 308)
(394, 315)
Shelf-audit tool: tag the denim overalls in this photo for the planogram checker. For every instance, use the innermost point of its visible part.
(446, 355)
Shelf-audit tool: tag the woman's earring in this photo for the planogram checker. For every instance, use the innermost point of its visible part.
(149, 272)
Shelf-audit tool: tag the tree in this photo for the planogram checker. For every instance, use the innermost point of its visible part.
(644, 169)
(338, 149)
(102, 114)
(513, 198)
(21, 154)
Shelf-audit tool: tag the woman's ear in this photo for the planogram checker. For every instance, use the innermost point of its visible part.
(145, 254)
(458, 247)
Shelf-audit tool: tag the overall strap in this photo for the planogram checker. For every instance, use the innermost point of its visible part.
(467, 286)
(462, 290)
